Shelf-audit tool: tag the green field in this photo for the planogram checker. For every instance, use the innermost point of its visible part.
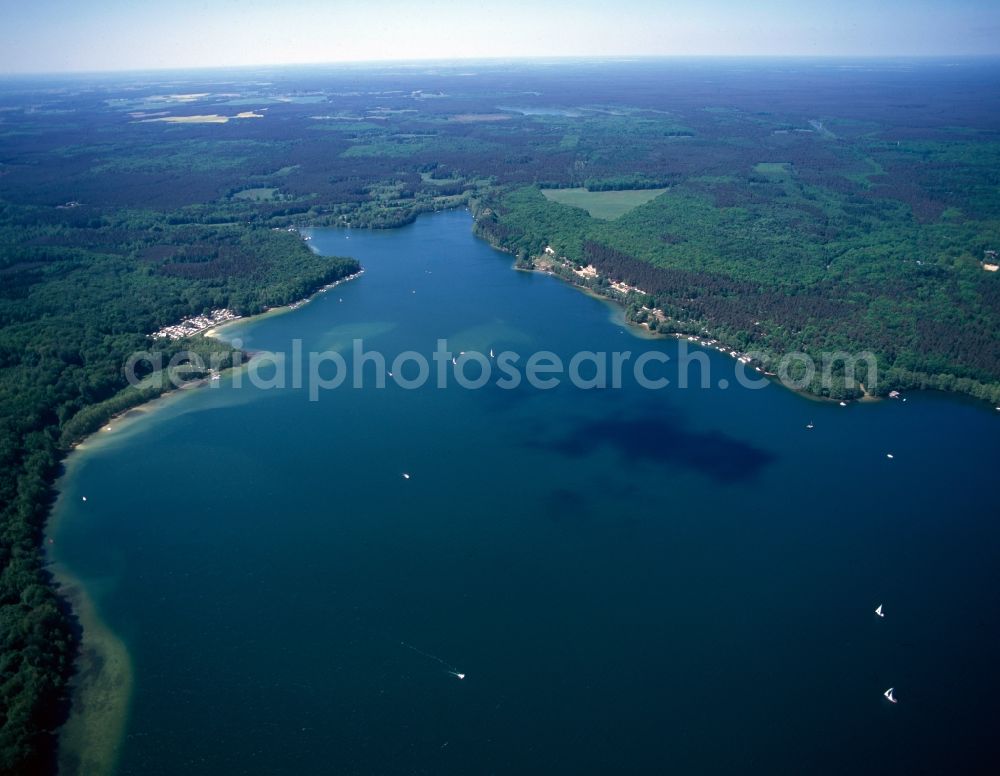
(775, 169)
(425, 177)
(256, 195)
(607, 205)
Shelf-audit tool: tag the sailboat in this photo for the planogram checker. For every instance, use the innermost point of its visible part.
(878, 611)
(889, 696)
(491, 353)
(809, 425)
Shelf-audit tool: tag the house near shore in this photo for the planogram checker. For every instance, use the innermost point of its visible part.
(191, 326)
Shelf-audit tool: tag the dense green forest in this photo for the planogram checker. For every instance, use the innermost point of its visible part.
(824, 282)
(806, 208)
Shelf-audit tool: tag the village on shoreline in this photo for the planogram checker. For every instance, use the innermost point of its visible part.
(196, 324)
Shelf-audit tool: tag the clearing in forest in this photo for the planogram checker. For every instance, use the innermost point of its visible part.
(607, 205)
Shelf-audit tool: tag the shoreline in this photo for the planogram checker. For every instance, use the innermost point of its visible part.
(90, 740)
(135, 413)
(973, 389)
(101, 690)
(216, 331)
(545, 266)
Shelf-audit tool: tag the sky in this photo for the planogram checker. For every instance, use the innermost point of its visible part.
(41, 36)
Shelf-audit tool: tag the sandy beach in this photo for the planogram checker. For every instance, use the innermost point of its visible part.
(90, 741)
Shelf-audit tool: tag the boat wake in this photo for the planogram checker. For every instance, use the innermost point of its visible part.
(449, 668)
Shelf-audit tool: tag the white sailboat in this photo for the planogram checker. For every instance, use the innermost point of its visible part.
(878, 611)
(889, 696)
(809, 425)
(491, 353)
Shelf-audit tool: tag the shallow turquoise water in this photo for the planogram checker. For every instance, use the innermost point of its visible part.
(631, 580)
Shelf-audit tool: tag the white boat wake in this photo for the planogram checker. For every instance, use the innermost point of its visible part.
(449, 668)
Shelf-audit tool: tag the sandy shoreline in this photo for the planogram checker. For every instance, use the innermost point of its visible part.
(90, 741)
(218, 330)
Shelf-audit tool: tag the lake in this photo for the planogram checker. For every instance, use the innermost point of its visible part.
(630, 580)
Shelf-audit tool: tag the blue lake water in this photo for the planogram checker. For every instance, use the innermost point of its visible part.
(631, 580)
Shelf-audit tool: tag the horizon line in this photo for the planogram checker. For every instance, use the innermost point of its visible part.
(531, 58)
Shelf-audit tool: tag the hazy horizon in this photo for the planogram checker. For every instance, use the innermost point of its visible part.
(366, 64)
(53, 36)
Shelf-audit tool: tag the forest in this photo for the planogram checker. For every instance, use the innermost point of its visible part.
(929, 327)
(806, 207)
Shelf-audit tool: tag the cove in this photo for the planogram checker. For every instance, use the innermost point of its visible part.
(630, 580)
